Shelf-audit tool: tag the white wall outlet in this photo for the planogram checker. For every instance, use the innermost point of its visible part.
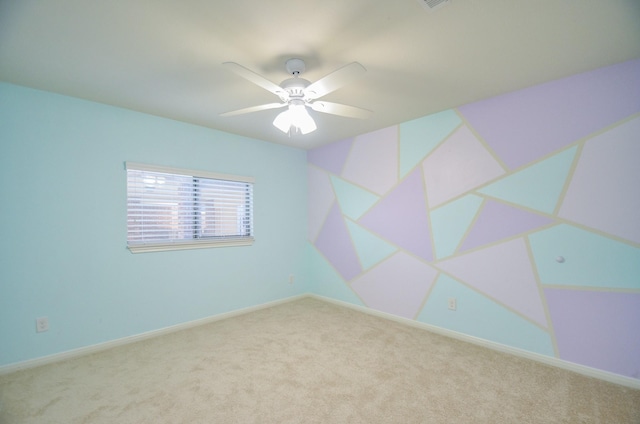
(292, 279)
(42, 324)
(453, 303)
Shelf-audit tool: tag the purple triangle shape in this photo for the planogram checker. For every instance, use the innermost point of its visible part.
(401, 217)
(512, 284)
(331, 157)
(335, 244)
(498, 221)
(546, 117)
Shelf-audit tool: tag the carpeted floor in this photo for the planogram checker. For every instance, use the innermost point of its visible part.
(308, 361)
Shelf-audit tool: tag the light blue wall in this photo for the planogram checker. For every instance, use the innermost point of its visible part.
(63, 223)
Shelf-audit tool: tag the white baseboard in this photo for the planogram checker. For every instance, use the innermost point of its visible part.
(547, 360)
(56, 357)
(555, 362)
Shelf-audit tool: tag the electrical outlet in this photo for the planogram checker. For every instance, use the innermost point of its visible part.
(453, 304)
(292, 278)
(42, 324)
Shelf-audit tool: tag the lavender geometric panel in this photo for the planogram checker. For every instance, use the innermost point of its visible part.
(504, 273)
(458, 165)
(319, 201)
(373, 161)
(332, 156)
(401, 217)
(605, 189)
(597, 329)
(335, 244)
(397, 286)
(497, 221)
(525, 125)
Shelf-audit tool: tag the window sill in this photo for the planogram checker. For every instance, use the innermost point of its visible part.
(200, 244)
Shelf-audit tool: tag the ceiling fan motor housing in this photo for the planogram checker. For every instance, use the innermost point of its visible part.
(295, 87)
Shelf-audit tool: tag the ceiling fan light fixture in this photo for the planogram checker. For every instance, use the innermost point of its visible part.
(301, 118)
(295, 116)
(283, 121)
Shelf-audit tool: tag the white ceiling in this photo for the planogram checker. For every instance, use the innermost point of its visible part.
(164, 57)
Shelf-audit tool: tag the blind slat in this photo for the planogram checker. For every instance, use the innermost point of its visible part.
(165, 207)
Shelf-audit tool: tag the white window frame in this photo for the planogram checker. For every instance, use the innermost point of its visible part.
(196, 243)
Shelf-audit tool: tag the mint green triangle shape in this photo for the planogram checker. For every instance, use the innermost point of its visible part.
(420, 136)
(449, 223)
(590, 260)
(371, 249)
(479, 316)
(537, 187)
(354, 201)
(325, 281)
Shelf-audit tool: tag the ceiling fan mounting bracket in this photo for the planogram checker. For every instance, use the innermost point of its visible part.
(295, 66)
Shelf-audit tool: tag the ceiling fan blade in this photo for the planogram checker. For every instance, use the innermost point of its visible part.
(339, 109)
(255, 78)
(334, 80)
(254, 109)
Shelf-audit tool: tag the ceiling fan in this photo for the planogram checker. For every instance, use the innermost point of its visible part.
(298, 94)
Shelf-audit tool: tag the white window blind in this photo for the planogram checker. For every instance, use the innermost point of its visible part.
(170, 208)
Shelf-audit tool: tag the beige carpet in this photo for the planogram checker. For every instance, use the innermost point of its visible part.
(308, 362)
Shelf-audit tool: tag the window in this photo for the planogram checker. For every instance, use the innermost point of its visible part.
(170, 209)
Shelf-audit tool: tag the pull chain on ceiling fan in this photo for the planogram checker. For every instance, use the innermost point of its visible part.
(298, 94)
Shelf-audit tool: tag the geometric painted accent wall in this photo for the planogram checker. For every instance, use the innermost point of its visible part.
(524, 207)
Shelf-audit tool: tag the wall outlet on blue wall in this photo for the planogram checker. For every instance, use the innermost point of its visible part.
(42, 324)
